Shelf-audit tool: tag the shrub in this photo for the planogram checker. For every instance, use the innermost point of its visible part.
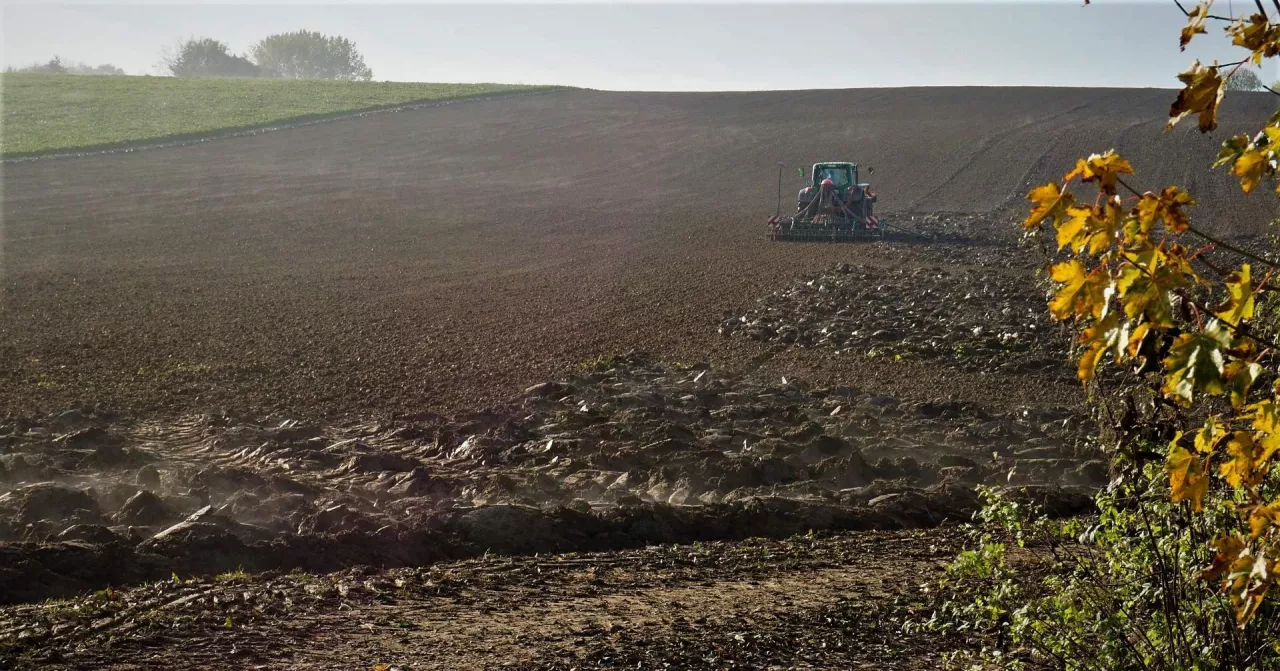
(1119, 591)
(206, 58)
(1178, 570)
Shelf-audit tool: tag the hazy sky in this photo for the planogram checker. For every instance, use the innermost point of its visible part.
(668, 45)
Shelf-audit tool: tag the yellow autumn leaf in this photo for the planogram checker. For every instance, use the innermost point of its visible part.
(1187, 478)
(1240, 304)
(1240, 375)
(1102, 168)
(1238, 572)
(1248, 581)
(1227, 551)
(1107, 334)
(1172, 200)
(1240, 468)
(1050, 204)
(1073, 228)
(1142, 292)
(1103, 228)
(1258, 35)
(1263, 517)
(1166, 207)
(1202, 92)
(1135, 339)
(1249, 33)
(1147, 209)
(1195, 23)
(1266, 416)
(1208, 435)
(1266, 422)
(1248, 604)
(1148, 279)
(1266, 448)
(1249, 167)
(1082, 291)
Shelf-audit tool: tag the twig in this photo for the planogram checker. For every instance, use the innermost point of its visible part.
(1228, 246)
(1223, 273)
(1228, 19)
(1237, 329)
(1264, 285)
(1170, 597)
(1209, 238)
(1223, 18)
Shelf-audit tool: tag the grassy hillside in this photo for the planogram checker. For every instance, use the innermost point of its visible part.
(42, 113)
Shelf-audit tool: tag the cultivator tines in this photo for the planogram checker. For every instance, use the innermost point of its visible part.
(834, 207)
(795, 229)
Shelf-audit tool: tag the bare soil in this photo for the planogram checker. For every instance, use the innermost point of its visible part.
(819, 602)
(438, 259)
(522, 383)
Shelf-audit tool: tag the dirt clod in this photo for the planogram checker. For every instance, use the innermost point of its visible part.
(143, 509)
(50, 501)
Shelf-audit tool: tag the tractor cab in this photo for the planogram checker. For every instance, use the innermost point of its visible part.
(842, 175)
(844, 183)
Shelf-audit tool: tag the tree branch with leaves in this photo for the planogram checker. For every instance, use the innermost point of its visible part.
(1129, 285)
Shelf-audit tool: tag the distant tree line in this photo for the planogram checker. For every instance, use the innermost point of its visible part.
(298, 55)
(55, 66)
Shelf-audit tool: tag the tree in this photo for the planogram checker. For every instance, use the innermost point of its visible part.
(206, 58)
(1181, 567)
(310, 55)
(53, 67)
(1244, 79)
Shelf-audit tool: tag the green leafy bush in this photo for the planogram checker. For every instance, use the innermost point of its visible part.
(1117, 591)
(1178, 569)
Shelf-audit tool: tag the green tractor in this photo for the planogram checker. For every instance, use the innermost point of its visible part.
(834, 206)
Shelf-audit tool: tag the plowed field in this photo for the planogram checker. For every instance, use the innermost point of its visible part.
(434, 343)
(440, 258)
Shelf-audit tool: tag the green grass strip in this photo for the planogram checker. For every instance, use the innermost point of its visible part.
(51, 113)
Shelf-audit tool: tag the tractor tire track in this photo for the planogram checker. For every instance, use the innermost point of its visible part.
(986, 146)
(440, 258)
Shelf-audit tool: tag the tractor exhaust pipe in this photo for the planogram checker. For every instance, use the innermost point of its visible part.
(778, 214)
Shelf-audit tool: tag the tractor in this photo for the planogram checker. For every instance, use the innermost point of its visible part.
(834, 206)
